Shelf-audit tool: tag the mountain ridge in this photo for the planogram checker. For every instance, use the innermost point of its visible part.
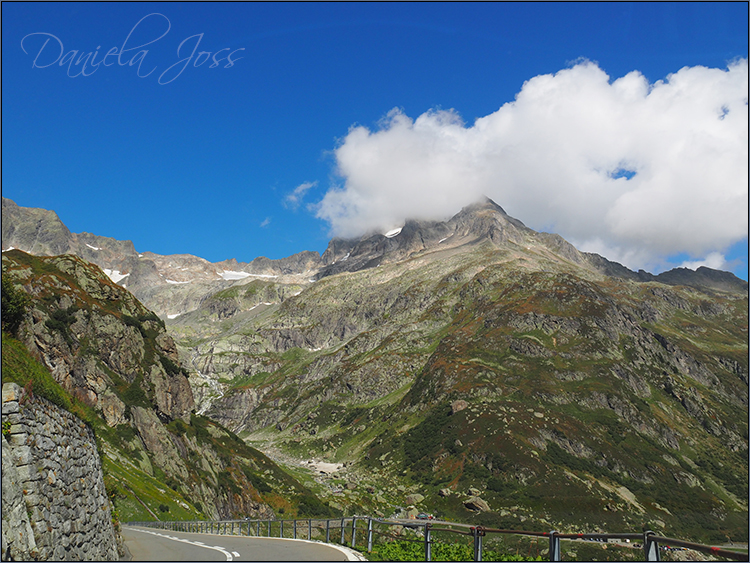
(160, 281)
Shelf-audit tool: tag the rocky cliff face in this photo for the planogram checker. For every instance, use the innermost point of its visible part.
(111, 354)
(95, 336)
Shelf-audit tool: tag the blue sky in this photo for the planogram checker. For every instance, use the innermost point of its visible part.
(268, 155)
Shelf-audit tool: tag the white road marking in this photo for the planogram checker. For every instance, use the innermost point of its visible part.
(197, 544)
(235, 554)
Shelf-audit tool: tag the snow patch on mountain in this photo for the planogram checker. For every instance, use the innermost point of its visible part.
(115, 275)
(229, 275)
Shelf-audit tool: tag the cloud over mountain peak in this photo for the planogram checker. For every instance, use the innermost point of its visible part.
(633, 170)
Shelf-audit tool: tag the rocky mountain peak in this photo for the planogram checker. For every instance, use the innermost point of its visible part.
(483, 220)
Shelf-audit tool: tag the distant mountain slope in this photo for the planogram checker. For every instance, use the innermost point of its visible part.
(168, 285)
(477, 358)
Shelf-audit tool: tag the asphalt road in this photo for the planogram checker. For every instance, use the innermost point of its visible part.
(145, 544)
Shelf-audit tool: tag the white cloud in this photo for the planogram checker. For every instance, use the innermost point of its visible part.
(265, 222)
(294, 199)
(715, 260)
(641, 171)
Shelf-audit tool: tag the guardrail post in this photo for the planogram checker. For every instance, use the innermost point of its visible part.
(269, 528)
(309, 529)
(369, 535)
(328, 531)
(651, 547)
(478, 533)
(427, 543)
(342, 531)
(354, 530)
(554, 546)
(281, 532)
(294, 526)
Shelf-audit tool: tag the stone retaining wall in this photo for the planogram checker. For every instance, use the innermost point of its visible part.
(54, 505)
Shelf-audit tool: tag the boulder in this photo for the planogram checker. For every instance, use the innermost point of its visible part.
(414, 498)
(476, 504)
(458, 405)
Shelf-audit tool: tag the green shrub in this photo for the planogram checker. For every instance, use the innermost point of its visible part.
(14, 305)
(427, 437)
(401, 550)
(501, 487)
(177, 427)
(135, 396)
(310, 505)
(19, 367)
(60, 320)
(171, 368)
(257, 481)
(200, 424)
(226, 482)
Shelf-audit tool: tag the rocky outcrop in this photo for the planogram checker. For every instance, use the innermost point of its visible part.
(51, 458)
(96, 337)
(37, 231)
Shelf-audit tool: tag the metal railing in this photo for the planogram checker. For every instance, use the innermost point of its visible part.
(345, 530)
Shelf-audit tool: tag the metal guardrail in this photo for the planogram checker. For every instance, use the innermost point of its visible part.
(651, 541)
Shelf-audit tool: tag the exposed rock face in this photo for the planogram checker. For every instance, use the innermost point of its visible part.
(95, 335)
(458, 406)
(414, 498)
(52, 458)
(110, 352)
(37, 230)
(168, 285)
